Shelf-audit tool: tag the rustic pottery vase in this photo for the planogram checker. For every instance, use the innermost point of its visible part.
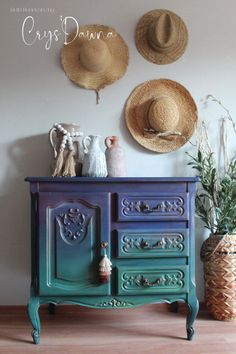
(94, 164)
(218, 253)
(56, 137)
(115, 158)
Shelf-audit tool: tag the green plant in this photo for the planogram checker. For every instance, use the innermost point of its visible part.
(216, 198)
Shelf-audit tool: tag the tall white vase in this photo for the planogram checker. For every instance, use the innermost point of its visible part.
(94, 164)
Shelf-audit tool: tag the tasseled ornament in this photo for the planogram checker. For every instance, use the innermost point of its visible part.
(105, 268)
(65, 165)
(59, 163)
(69, 169)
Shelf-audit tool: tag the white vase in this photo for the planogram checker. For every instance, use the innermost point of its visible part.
(94, 163)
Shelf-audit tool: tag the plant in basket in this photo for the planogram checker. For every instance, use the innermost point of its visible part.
(216, 206)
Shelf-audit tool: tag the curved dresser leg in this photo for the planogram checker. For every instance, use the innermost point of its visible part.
(33, 307)
(193, 307)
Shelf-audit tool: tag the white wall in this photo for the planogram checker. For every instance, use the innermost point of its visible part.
(35, 93)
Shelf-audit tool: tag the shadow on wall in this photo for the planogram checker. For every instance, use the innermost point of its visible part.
(28, 156)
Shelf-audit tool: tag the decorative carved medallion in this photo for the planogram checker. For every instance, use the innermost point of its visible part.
(163, 242)
(73, 225)
(115, 303)
(170, 206)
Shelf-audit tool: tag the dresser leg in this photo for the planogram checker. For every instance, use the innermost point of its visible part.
(191, 316)
(33, 307)
(51, 308)
(174, 307)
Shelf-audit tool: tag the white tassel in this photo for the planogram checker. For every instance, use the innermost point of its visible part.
(105, 268)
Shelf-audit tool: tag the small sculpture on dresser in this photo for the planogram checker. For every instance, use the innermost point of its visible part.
(115, 158)
(65, 141)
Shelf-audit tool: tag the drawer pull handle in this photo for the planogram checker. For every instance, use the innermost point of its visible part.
(145, 208)
(145, 245)
(145, 282)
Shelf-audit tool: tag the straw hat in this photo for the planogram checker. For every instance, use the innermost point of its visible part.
(161, 36)
(97, 62)
(161, 115)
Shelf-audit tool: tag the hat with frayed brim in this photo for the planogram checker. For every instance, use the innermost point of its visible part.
(161, 36)
(95, 57)
(161, 115)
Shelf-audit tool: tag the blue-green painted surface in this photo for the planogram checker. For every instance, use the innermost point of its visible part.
(148, 225)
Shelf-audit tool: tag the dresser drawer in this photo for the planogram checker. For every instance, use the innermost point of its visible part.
(152, 280)
(140, 243)
(153, 207)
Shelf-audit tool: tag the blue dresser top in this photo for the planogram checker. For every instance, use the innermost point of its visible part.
(112, 179)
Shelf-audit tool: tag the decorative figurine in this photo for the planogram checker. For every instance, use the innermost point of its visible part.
(68, 152)
(115, 158)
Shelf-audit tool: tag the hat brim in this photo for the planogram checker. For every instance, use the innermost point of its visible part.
(147, 51)
(95, 80)
(138, 103)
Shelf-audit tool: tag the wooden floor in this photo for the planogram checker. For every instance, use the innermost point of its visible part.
(145, 330)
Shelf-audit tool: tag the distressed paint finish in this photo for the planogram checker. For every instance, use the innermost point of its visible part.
(148, 224)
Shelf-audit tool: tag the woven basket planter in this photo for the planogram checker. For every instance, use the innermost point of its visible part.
(219, 256)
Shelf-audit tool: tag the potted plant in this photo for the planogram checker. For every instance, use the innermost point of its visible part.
(216, 206)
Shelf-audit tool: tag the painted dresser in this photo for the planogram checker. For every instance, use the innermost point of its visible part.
(146, 225)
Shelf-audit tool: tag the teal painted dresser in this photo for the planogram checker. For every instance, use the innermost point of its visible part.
(146, 225)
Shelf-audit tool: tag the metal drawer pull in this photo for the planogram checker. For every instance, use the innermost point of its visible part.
(104, 245)
(145, 282)
(141, 281)
(145, 208)
(146, 245)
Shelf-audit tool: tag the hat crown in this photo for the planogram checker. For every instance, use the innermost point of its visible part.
(163, 114)
(95, 55)
(162, 33)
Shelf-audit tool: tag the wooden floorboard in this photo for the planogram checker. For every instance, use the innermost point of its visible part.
(145, 330)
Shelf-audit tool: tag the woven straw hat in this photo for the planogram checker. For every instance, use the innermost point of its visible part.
(95, 63)
(161, 115)
(161, 36)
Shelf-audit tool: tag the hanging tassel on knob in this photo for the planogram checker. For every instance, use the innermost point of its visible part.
(105, 266)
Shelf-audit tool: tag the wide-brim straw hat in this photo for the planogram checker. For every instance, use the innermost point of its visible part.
(161, 115)
(97, 57)
(161, 36)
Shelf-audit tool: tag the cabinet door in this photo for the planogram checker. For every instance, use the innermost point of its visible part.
(71, 229)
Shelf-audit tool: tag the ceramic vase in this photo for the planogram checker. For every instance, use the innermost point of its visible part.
(55, 139)
(116, 166)
(94, 164)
